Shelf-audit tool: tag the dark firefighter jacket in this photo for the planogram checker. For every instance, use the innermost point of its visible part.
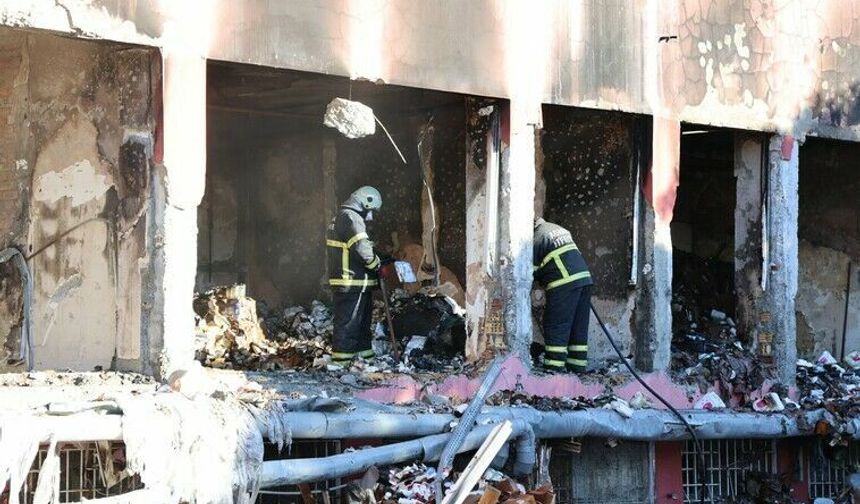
(351, 259)
(557, 260)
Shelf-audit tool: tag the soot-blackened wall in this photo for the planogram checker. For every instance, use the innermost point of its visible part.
(589, 175)
(828, 297)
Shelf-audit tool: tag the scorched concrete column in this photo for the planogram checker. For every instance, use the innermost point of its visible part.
(516, 219)
(748, 238)
(481, 227)
(778, 335)
(653, 309)
(178, 188)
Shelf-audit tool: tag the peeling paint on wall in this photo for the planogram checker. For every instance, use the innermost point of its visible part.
(79, 182)
(74, 303)
(81, 176)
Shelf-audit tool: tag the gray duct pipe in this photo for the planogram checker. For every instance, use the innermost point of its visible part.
(357, 425)
(427, 449)
(645, 425)
(529, 425)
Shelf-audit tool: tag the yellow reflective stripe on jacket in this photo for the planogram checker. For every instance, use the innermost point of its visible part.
(577, 362)
(557, 252)
(349, 282)
(342, 355)
(556, 349)
(367, 354)
(578, 348)
(355, 238)
(568, 279)
(345, 272)
(553, 363)
(374, 263)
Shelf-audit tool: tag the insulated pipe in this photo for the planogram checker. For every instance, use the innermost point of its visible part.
(529, 425)
(357, 425)
(644, 425)
(526, 452)
(283, 472)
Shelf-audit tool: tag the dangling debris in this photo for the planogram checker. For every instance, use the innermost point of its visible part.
(351, 118)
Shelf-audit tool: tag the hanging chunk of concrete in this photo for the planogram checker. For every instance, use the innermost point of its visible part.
(352, 119)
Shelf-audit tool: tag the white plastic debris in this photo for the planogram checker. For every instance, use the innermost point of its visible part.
(804, 363)
(825, 358)
(404, 272)
(621, 407)
(351, 118)
(415, 343)
(718, 316)
(770, 403)
(640, 401)
(485, 111)
(853, 360)
(710, 401)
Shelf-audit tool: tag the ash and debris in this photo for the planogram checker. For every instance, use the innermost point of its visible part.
(231, 334)
(828, 385)
(705, 358)
(543, 403)
(707, 349)
(234, 331)
(415, 484)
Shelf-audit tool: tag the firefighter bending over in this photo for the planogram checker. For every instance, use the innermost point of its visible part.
(561, 270)
(353, 275)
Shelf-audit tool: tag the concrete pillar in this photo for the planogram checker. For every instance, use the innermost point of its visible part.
(748, 238)
(480, 282)
(777, 338)
(516, 219)
(177, 191)
(654, 303)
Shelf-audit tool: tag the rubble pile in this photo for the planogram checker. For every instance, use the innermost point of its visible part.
(543, 403)
(231, 334)
(430, 329)
(415, 484)
(707, 352)
(235, 331)
(412, 484)
(826, 384)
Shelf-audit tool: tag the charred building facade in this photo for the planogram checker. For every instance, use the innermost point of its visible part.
(166, 181)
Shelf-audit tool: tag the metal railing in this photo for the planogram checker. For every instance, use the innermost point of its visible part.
(827, 478)
(87, 471)
(727, 463)
(324, 492)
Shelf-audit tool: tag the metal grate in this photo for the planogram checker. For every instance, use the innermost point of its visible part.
(323, 491)
(827, 477)
(579, 476)
(84, 472)
(727, 462)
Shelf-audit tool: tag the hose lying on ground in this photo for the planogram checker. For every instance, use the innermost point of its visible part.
(699, 450)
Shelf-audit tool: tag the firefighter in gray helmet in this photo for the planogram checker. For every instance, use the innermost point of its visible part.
(353, 274)
(561, 270)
